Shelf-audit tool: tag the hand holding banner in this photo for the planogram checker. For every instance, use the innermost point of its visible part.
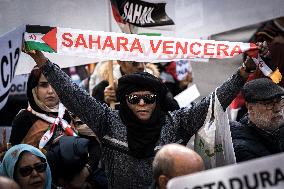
(132, 47)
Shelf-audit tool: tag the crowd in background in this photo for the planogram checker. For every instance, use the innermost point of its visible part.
(84, 127)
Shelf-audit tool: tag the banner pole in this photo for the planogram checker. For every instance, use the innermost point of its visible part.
(110, 80)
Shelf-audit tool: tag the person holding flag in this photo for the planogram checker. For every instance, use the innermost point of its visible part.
(132, 135)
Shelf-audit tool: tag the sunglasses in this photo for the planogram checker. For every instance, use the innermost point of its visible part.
(135, 99)
(27, 170)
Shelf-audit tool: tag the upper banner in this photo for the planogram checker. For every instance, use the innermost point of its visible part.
(140, 13)
(130, 14)
(10, 50)
(264, 173)
(131, 47)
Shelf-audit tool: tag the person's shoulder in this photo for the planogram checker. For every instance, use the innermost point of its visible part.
(23, 117)
(152, 69)
(20, 126)
(235, 125)
(22, 114)
(240, 130)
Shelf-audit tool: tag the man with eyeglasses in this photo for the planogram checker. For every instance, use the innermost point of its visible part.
(260, 132)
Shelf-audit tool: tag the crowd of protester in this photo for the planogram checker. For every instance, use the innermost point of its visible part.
(71, 137)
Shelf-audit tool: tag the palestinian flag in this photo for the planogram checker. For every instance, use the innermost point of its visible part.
(35, 38)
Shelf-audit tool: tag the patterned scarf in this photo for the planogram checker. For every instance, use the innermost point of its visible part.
(55, 122)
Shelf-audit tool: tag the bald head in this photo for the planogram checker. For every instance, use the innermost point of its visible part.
(175, 160)
(7, 183)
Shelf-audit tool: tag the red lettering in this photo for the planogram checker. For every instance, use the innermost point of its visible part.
(65, 37)
(97, 41)
(122, 42)
(155, 49)
(236, 50)
(224, 48)
(167, 47)
(136, 45)
(191, 48)
(183, 49)
(108, 43)
(207, 48)
(80, 41)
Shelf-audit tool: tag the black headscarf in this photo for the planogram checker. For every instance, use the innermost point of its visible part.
(141, 136)
(32, 83)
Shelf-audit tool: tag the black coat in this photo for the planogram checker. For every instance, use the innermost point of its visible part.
(250, 142)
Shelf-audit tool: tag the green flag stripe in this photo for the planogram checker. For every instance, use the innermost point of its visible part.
(31, 45)
(150, 34)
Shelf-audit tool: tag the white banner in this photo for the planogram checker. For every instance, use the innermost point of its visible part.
(10, 50)
(132, 47)
(264, 173)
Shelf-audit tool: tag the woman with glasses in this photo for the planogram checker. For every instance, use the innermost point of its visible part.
(28, 166)
(132, 135)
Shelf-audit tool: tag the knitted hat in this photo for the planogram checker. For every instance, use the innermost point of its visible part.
(262, 89)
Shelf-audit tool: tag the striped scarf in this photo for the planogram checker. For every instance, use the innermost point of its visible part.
(55, 122)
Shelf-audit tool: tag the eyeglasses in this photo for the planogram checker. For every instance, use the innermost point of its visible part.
(270, 105)
(27, 170)
(147, 98)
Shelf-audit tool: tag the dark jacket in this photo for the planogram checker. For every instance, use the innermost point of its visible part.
(250, 142)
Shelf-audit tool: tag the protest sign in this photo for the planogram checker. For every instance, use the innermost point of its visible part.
(19, 85)
(183, 68)
(264, 173)
(187, 96)
(10, 49)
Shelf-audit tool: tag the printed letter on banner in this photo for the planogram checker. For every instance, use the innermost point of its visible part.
(263, 173)
(10, 49)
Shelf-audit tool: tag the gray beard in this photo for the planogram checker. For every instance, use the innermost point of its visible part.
(268, 125)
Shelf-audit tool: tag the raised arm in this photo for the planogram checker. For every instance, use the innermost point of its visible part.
(193, 118)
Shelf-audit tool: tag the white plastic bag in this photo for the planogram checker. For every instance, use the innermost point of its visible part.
(213, 142)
